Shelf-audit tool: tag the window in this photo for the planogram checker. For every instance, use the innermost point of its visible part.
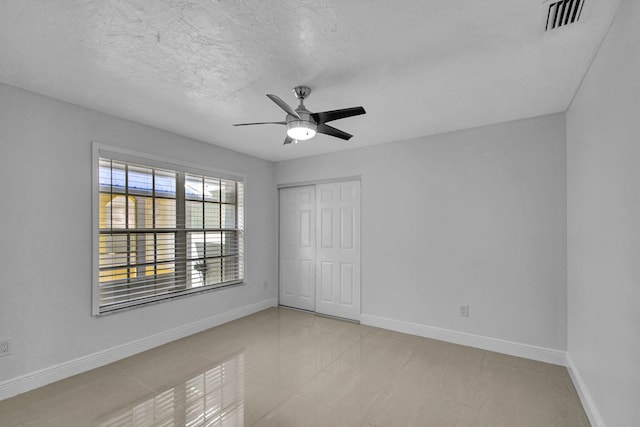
(164, 230)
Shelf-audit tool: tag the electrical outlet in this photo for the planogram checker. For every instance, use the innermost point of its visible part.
(5, 349)
(464, 311)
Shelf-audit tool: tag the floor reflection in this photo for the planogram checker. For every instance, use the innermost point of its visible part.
(213, 398)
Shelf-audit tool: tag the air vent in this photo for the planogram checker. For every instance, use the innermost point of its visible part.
(563, 12)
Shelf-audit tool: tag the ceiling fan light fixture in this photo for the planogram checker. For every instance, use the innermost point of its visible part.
(301, 130)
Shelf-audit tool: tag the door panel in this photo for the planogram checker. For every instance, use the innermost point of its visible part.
(346, 283)
(287, 275)
(347, 225)
(326, 228)
(298, 247)
(338, 254)
(306, 278)
(326, 281)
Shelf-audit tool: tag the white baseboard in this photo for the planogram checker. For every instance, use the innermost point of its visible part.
(512, 348)
(63, 370)
(585, 397)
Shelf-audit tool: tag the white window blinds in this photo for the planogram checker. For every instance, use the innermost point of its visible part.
(164, 231)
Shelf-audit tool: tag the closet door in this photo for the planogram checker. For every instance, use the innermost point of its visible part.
(338, 249)
(298, 247)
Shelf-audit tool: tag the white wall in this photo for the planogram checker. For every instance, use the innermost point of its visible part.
(472, 217)
(603, 145)
(45, 233)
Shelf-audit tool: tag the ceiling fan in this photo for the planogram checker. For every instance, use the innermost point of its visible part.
(302, 124)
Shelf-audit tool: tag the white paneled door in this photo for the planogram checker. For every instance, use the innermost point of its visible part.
(298, 247)
(331, 267)
(338, 249)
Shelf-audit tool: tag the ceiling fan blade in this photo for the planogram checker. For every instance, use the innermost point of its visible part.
(327, 116)
(331, 131)
(288, 140)
(260, 123)
(283, 105)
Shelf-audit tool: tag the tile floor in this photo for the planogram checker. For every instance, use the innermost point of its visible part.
(283, 367)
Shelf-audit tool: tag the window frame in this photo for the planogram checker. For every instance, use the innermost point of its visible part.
(131, 156)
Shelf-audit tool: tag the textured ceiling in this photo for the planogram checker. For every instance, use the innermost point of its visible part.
(195, 67)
